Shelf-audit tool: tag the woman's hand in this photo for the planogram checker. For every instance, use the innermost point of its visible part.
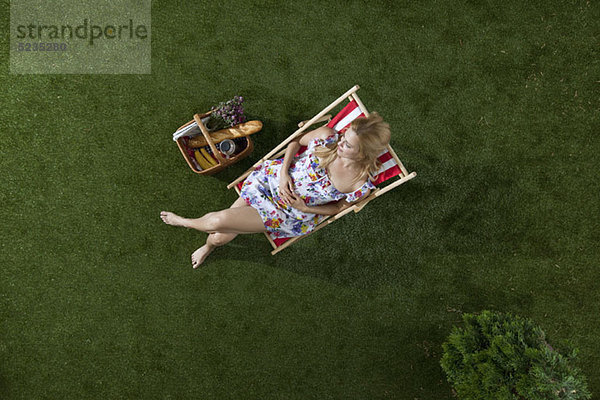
(286, 187)
(298, 203)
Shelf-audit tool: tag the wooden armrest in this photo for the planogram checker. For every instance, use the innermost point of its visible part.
(326, 117)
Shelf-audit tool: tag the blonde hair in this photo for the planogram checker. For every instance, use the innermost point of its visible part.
(373, 137)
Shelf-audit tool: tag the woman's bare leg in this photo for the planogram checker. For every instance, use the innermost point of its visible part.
(215, 240)
(243, 219)
(222, 226)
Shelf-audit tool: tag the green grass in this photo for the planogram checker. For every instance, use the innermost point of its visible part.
(494, 105)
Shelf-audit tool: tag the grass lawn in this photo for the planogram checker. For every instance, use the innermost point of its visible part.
(496, 106)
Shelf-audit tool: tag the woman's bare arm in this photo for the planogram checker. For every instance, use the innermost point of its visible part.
(285, 182)
(326, 209)
(292, 148)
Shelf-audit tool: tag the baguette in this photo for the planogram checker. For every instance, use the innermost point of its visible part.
(237, 131)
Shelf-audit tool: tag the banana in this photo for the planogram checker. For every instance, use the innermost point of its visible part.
(206, 155)
(201, 160)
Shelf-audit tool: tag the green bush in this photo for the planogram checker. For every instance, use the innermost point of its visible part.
(501, 356)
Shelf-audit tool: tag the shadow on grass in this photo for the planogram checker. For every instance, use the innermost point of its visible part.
(450, 208)
(410, 351)
(254, 247)
(472, 212)
(414, 356)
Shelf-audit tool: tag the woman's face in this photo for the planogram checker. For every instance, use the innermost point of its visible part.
(347, 146)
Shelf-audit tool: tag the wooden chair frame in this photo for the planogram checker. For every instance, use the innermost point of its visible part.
(279, 151)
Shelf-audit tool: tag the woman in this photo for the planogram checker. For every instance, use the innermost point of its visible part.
(288, 197)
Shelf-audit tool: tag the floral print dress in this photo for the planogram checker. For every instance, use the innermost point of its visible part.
(311, 183)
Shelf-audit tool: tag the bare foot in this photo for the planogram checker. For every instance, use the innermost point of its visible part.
(172, 219)
(200, 255)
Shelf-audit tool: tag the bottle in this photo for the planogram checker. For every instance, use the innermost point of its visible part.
(240, 144)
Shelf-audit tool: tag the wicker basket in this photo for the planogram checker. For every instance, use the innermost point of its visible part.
(222, 161)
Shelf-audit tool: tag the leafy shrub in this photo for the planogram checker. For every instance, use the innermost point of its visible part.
(499, 356)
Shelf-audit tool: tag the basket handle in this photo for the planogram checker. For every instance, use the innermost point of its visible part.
(216, 152)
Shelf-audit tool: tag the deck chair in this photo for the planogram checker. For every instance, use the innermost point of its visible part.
(392, 168)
